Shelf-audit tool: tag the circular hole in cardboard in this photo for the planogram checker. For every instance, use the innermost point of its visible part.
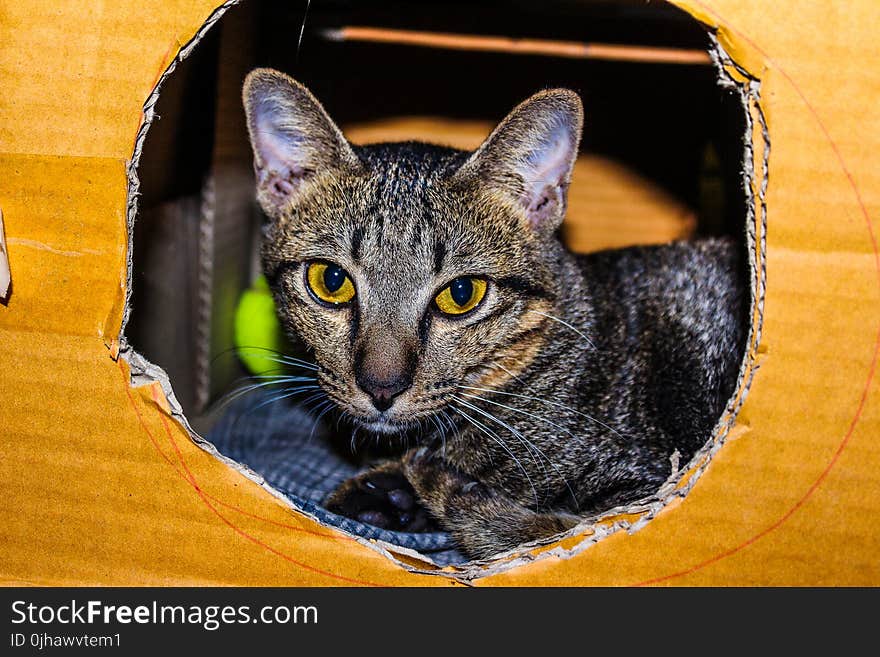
(674, 146)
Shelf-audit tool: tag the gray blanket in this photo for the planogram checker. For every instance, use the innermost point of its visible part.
(281, 442)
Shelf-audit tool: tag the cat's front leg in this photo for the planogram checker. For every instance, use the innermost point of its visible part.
(483, 521)
(382, 497)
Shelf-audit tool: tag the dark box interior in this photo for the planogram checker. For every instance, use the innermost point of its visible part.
(196, 237)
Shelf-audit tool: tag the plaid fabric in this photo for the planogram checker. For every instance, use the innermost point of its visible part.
(282, 443)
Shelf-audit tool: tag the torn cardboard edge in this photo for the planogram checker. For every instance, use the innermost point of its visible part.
(631, 517)
(149, 115)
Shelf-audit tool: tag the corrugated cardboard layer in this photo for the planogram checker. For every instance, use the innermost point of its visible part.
(68, 259)
(101, 486)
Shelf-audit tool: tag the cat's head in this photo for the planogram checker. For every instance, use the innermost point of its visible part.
(410, 269)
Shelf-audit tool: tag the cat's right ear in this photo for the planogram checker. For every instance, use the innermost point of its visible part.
(292, 136)
(529, 158)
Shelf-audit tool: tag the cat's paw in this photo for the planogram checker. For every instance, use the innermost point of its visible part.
(381, 497)
(483, 521)
(445, 491)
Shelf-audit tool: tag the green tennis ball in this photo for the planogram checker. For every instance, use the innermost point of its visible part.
(258, 333)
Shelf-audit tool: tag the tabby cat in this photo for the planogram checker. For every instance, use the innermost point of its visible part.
(432, 287)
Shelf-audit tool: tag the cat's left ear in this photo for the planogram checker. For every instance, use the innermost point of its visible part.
(529, 157)
(293, 138)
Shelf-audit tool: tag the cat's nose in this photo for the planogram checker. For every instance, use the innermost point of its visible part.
(382, 393)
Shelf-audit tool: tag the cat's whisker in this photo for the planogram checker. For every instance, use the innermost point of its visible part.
(270, 381)
(264, 380)
(327, 409)
(273, 374)
(530, 448)
(287, 392)
(321, 401)
(530, 445)
(543, 419)
(444, 420)
(280, 356)
(314, 397)
(455, 427)
(302, 30)
(272, 355)
(495, 437)
(270, 377)
(286, 360)
(266, 374)
(441, 432)
(324, 402)
(550, 403)
(263, 384)
(286, 364)
(565, 324)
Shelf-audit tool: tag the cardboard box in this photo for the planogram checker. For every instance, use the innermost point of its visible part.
(101, 483)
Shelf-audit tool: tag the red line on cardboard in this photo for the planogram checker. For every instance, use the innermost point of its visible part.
(873, 365)
(192, 480)
(210, 501)
(232, 507)
(187, 475)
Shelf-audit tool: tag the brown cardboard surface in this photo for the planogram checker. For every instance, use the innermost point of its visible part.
(101, 486)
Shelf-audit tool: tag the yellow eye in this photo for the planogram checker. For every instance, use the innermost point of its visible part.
(461, 295)
(329, 283)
